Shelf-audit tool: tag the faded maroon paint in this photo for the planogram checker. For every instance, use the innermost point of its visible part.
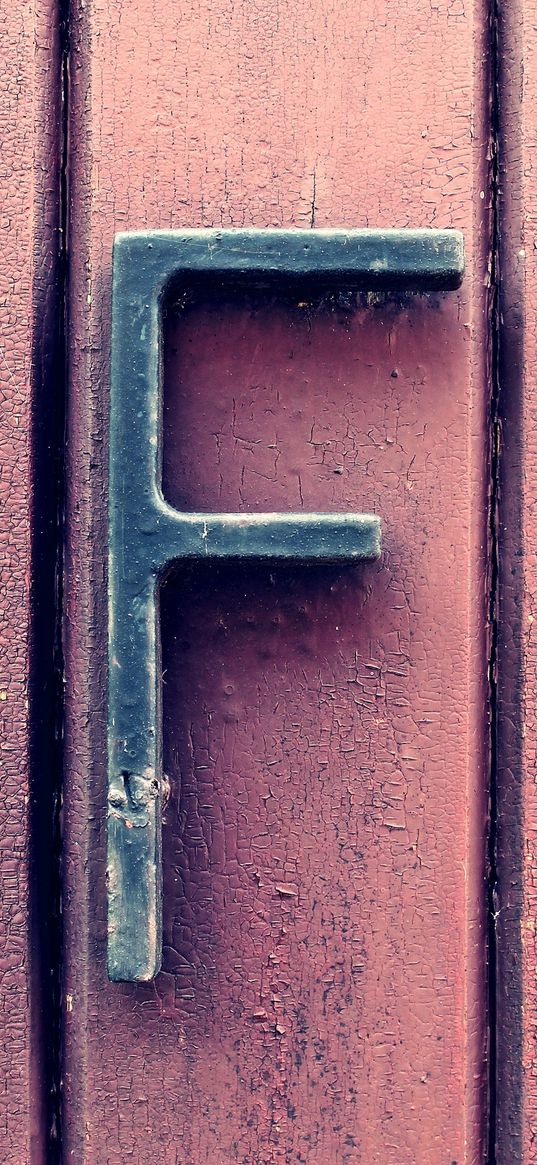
(323, 989)
(29, 102)
(517, 643)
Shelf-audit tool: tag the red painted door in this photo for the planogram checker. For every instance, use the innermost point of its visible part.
(323, 996)
(349, 934)
(30, 420)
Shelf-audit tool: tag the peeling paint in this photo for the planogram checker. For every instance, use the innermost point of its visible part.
(291, 708)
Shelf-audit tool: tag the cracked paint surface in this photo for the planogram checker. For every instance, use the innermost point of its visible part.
(516, 887)
(28, 208)
(323, 990)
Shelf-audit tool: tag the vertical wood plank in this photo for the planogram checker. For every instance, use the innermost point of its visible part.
(30, 129)
(516, 907)
(293, 114)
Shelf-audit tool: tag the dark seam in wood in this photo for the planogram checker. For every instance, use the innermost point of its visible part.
(49, 380)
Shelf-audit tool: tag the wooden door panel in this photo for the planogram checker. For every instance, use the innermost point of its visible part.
(323, 989)
(29, 291)
(317, 798)
(516, 851)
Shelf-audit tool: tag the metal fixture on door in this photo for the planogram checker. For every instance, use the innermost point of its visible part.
(147, 534)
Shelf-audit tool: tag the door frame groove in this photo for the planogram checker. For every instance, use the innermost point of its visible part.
(493, 567)
(507, 586)
(45, 688)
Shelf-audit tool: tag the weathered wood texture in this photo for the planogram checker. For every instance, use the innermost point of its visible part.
(516, 908)
(323, 992)
(29, 128)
